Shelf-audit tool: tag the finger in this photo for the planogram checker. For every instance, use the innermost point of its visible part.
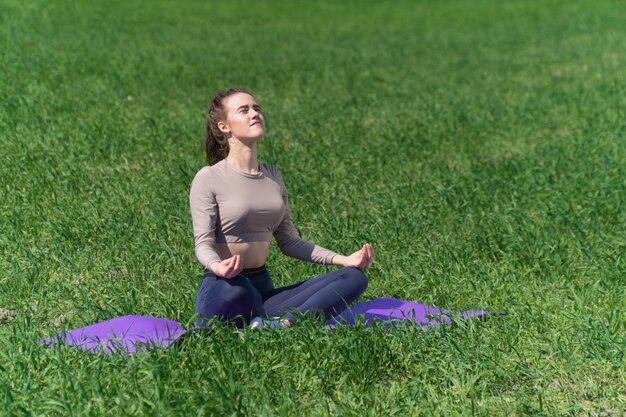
(368, 261)
(227, 273)
(232, 265)
(235, 269)
(232, 268)
(361, 258)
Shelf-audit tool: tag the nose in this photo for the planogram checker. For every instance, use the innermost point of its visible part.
(256, 115)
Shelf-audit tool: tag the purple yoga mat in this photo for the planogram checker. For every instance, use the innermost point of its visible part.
(391, 310)
(132, 333)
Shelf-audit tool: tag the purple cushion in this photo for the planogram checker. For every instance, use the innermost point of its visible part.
(127, 333)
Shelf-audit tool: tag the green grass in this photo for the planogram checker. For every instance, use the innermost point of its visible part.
(478, 145)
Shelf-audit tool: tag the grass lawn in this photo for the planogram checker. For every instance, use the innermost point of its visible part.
(479, 145)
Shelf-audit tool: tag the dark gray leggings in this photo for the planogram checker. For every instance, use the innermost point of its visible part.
(252, 293)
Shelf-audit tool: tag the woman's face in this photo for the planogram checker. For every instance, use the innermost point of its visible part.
(244, 119)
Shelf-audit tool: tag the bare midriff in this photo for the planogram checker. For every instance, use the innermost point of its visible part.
(253, 254)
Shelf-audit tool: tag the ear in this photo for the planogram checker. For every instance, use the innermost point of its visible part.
(223, 127)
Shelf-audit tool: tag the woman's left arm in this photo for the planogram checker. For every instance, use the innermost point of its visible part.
(291, 244)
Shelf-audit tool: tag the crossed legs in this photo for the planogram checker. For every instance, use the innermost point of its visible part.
(238, 299)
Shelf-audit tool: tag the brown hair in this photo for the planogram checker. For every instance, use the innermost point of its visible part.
(216, 144)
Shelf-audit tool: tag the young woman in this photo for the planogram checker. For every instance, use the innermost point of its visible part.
(237, 205)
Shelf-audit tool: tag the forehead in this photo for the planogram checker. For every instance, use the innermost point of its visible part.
(239, 99)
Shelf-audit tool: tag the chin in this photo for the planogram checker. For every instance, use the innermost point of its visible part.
(258, 136)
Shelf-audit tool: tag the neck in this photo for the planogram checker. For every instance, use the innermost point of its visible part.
(243, 156)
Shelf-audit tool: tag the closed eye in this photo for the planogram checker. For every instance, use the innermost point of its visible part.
(245, 108)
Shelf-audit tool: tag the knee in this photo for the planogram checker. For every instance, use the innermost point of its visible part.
(237, 298)
(226, 300)
(356, 277)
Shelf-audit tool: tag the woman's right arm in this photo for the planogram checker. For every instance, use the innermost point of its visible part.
(204, 216)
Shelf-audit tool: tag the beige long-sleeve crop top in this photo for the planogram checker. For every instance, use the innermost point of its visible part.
(231, 206)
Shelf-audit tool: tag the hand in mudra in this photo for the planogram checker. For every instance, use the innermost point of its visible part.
(228, 268)
(361, 259)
